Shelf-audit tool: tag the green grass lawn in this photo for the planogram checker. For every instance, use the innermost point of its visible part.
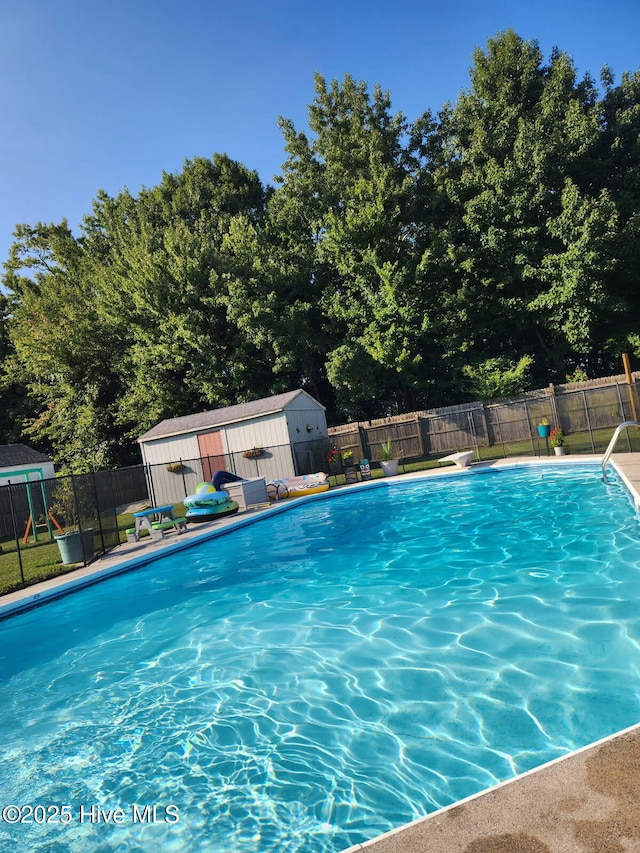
(41, 559)
(574, 444)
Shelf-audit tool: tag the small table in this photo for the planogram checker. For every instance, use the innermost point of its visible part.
(546, 441)
(160, 516)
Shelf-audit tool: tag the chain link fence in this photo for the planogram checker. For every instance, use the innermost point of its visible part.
(586, 415)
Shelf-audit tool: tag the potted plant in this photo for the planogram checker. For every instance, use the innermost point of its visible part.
(253, 453)
(544, 428)
(389, 459)
(76, 543)
(334, 460)
(556, 440)
(175, 467)
(350, 470)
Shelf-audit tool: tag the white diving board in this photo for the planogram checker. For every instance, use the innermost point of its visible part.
(461, 459)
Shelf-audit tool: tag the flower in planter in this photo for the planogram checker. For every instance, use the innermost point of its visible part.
(175, 467)
(334, 456)
(544, 428)
(253, 453)
(347, 457)
(556, 438)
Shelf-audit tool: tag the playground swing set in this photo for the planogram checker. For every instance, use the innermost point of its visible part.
(35, 523)
(46, 524)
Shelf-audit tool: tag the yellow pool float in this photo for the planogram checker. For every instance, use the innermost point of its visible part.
(297, 487)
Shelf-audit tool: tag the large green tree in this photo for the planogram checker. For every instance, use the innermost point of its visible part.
(16, 406)
(128, 323)
(160, 271)
(513, 250)
(349, 189)
(616, 170)
(395, 265)
(65, 355)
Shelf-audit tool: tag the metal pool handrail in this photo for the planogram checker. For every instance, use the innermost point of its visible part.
(612, 444)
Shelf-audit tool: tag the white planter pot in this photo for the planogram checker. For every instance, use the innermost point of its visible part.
(559, 451)
(390, 468)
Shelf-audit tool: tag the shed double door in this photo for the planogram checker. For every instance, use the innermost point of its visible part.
(212, 454)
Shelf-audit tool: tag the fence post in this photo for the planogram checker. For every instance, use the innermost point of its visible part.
(95, 494)
(624, 417)
(526, 411)
(114, 507)
(424, 421)
(75, 501)
(472, 430)
(184, 482)
(586, 411)
(555, 414)
(631, 384)
(485, 425)
(149, 478)
(365, 450)
(497, 414)
(419, 434)
(15, 533)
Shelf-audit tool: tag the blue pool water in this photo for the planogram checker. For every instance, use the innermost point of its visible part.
(329, 673)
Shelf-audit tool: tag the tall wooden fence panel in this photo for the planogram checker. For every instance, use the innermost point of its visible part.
(442, 433)
(576, 408)
(405, 434)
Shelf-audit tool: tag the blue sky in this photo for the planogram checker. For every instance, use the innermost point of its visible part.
(107, 95)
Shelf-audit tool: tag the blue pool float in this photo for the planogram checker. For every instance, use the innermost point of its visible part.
(208, 504)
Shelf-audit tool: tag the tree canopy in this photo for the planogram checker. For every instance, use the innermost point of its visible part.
(396, 264)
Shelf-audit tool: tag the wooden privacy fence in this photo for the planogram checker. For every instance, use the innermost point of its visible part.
(581, 407)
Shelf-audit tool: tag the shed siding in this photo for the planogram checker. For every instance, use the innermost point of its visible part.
(165, 450)
(306, 425)
(275, 464)
(267, 431)
(168, 488)
(8, 473)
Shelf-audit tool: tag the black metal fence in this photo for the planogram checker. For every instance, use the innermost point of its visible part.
(33, 514)
(171, 482)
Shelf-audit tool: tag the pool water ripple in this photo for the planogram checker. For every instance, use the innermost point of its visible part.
(326, 674)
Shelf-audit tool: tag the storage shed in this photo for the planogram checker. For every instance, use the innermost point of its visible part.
(21, 464)
(275, 437)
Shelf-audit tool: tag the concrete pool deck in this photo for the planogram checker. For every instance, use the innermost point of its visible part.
(587, 801)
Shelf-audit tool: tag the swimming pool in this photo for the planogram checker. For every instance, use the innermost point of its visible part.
(324, 675)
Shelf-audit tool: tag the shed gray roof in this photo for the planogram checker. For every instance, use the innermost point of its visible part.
(227, 415)
(12, 455)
